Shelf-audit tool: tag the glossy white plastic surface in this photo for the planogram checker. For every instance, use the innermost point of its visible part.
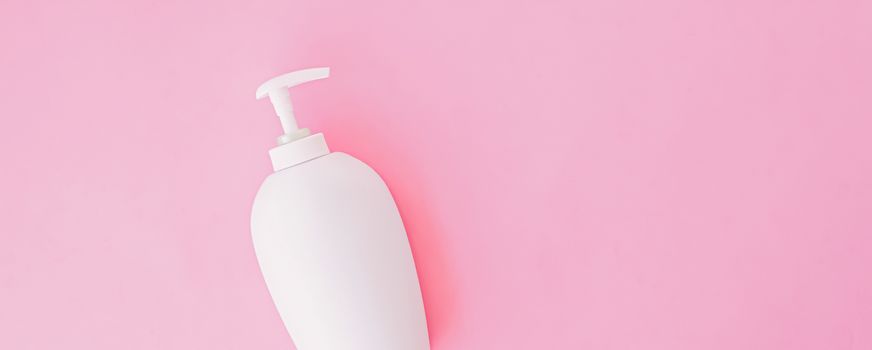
(336, 258)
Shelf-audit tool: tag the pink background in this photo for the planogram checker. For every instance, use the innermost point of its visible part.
(593, 174)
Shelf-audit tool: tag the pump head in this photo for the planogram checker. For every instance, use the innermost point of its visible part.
(277, 89)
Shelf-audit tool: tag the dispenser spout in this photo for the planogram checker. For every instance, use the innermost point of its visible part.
(277, 90)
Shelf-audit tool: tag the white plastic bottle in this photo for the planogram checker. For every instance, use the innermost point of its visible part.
(331, 244)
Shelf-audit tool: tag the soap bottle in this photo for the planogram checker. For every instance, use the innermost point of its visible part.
(331, 244)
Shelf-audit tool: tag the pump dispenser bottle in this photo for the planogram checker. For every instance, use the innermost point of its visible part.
(331, 244)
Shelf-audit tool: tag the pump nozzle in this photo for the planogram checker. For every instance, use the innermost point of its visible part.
(277, 89)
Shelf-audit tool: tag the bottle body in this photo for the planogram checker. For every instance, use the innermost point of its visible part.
(336, 258)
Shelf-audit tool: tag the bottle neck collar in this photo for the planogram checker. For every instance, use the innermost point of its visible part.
(298, 151)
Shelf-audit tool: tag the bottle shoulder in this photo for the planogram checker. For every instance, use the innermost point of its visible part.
(334, 171)
(331, 162)
(336, 183)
